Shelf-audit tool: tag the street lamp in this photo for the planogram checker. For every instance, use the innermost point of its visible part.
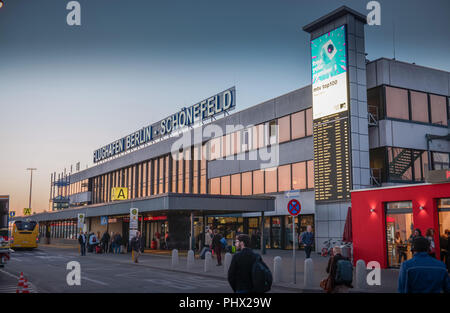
(31, 181)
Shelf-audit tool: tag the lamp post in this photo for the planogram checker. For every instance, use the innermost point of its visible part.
(31, 183)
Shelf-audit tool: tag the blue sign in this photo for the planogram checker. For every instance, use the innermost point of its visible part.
(219, 103)
(12, 213)
(103, 220)
(294, 207)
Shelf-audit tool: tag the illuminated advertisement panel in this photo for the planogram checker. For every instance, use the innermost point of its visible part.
(329, 73)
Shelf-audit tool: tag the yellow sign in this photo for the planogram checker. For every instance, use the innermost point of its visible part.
(27, 211)
(119, 193)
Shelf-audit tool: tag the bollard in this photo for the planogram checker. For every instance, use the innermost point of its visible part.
(361, 275)
(190, 259)
(208, 262)
(277, 269)
(227, 264)
(309, 273)
(174, 257)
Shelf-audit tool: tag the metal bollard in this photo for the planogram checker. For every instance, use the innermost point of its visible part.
(174, 257)
(208, 262)
(361, 274)
(227, 264)
(309, 273)
(277, 269)
(190, 259)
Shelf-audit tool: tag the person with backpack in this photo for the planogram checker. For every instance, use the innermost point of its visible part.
(217, 246)
(340, 271)
(248, 273)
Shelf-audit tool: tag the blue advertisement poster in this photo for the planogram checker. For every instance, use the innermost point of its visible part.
(329, 73)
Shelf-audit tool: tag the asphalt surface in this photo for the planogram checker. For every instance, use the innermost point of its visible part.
(46, 270)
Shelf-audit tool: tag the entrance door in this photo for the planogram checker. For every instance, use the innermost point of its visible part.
(399, 227)
(444, 229)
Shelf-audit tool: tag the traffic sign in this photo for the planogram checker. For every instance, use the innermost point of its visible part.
(12, 213)
(27, 211)
(294, 207)
(292, 193)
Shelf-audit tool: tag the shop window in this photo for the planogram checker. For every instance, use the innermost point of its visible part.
(419, 106)
(247, 183)
(299, 175)
(284, 125)
(284, 178)
(298, 125)
(397, 103)
(225, 185)
(438, 110)
(258, 182)
(236, 184)
(270, 180)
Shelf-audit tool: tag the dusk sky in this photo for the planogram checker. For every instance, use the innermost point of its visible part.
(68, 90)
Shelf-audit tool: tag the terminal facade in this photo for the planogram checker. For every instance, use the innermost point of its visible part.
(233, 176)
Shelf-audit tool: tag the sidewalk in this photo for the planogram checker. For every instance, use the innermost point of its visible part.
(162, 260)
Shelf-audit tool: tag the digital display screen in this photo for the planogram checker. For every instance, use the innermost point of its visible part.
(332, 157)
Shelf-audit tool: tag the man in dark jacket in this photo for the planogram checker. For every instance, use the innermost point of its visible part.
(82, 241)
(217, 246)
(105, 241)
(240, 271)
(307, 238)
(137, 245)
(423, 273)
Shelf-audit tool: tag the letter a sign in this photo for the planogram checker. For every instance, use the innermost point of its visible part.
(118, 193)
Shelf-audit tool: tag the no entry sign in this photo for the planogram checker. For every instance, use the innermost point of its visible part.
(294, 207)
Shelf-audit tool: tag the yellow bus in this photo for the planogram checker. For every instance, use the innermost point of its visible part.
(25, 234)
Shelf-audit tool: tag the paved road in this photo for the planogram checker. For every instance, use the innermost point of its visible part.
(46, 269)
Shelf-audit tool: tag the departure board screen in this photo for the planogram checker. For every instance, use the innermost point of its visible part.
(332, 157)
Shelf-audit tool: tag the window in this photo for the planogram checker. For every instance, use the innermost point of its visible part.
(187, 175)
(440, 161)
(400, 164)
(271, 180)
(261, 136)
(299, 175)
(397, 103)
(180, 172)
(438, 110)
(298, 125)
(309, 122)
(247, 183)
(225, 185)
(203, 179)
(310, 172)
(236, 184)
(284, 178)
(273, 132)
(419, 107)
(258, 182)
(284, 125)
(215, 186)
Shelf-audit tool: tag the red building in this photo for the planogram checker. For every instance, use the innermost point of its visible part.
(383, 219)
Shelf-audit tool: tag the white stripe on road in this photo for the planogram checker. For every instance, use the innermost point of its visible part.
(16, 259)
(95, 281)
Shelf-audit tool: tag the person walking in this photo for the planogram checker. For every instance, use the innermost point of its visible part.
(137, 246)
(217, 246)
(340, 271)
(82, 241)
(414, 235)
(430, 236)
(423, 273)
(105, 241)
(307, 238)
(117, 243)
(240, 271)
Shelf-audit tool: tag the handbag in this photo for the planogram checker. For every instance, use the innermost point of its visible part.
(325, 284)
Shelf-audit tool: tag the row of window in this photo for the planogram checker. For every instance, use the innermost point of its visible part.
(283, 129)
(185, 173)
(282, 178)
(78, 187)
(392, 102)
(60, 229)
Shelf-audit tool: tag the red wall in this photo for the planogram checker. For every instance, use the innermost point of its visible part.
(369, 228)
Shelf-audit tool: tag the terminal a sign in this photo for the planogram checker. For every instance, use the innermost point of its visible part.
(203, 110)
(119, 193)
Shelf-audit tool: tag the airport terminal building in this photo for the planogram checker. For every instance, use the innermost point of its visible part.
(360, 124)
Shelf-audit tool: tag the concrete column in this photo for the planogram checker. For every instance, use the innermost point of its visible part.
(208, 262)
(175, 260)
(277, 269)
(227, 264)
(309, 274)
(360, 275)
(190, 259)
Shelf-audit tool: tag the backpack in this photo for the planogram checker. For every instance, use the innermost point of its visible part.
(80, 239)
(344, 272)
(223, 241)
(261, 276)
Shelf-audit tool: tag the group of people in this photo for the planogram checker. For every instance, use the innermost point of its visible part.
(106, 244)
